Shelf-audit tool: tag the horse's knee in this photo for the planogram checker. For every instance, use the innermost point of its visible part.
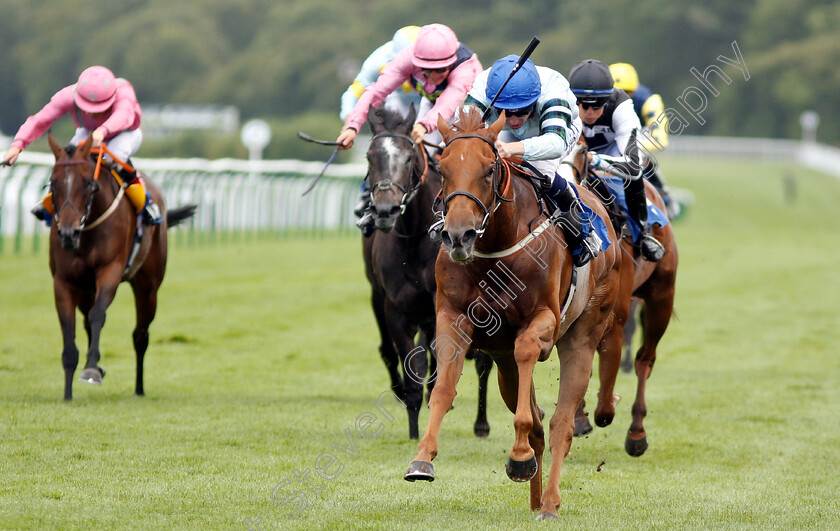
(443, 394)
(70, 357)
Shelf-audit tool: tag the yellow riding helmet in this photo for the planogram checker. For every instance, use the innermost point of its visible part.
(404, 37)
(625, 76)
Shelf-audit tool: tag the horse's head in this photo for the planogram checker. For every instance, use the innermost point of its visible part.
(393, 173)
(471, 175)
(576, 165)
(72, 186)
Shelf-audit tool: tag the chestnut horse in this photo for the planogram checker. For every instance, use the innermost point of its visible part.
(651, 282)
(534, 304)
(400, 262)
(90, 243)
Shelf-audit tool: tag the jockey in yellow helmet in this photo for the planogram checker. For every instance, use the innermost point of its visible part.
(650, 110)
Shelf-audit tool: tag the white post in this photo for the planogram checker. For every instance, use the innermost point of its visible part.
(809, 120)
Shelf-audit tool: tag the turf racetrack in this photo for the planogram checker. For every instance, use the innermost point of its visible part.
(263, 354)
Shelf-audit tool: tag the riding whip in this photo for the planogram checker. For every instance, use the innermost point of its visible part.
(307, 138)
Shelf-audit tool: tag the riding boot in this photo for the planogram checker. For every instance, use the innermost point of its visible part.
(363, 202)
(366, 224)
(140, 198)
(436, 232)
(44, 210)
(569, 214)
(652, 174)
(651, 249)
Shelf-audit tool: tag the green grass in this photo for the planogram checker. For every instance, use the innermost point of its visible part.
(264, 352)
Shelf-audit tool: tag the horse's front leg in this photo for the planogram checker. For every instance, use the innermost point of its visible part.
(537, 338)
(65, 305)
(451, 348)
(107, 281)
(483, 366)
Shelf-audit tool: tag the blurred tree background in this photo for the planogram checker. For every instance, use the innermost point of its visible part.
(288, 61)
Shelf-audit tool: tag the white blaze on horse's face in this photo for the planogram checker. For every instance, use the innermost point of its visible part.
(396, 157)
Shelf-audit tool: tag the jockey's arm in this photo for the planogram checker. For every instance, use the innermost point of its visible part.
(368, 74)
(626, 125)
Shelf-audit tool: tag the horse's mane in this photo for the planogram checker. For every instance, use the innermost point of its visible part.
(70, 149)
(469, 120)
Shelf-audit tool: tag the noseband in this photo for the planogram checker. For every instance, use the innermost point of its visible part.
(388, 184)
(498, 195)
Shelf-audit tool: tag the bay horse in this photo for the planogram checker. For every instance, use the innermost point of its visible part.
(535, 304)
(400, 262)
(90, 242)
(654, 284)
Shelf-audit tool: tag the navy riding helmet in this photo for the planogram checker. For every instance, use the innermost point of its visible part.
(591, 82)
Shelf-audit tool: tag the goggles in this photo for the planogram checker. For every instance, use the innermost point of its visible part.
(525, 111)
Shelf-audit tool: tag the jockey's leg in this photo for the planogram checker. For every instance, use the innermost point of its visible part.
(652, 250)
(569, 214)
(363, 211)
(123, 146)
(139, 198)
(44, 210)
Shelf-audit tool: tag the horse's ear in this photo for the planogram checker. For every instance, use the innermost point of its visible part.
(56, 149)
(376, 117)
(499, 124)
(445, 130)
(412, 116)
(84, 147)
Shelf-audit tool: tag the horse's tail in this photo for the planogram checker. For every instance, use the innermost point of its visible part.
(180, 214)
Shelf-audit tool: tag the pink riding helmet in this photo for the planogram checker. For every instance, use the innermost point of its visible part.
(436, 47)
(96, 89)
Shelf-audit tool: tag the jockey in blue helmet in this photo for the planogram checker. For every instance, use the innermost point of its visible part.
(541, 127)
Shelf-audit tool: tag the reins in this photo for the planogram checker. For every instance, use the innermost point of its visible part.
(83, 226)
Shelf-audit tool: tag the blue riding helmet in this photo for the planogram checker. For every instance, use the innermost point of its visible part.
(522, 90)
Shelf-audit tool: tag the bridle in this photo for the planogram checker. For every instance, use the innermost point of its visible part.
(408, 193)
(93, 185)
(581, 173)
(498, 193)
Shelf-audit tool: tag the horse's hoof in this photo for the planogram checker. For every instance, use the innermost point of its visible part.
(92, 375)
(521, 471)
(420, 470)
(545, 515)
(481, 429)
(582, 426)
(602, 420)
(636, 447)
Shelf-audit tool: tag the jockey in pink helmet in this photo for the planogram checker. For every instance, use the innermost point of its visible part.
(437, 66)
(104, 108)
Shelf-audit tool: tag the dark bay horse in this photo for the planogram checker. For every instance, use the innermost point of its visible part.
(651, 282)
(400, 262)
(538, 301)
(90, 243)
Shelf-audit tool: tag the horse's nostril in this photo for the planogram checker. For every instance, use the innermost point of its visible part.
(447, 240)
(469, 237)
(395, 210)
